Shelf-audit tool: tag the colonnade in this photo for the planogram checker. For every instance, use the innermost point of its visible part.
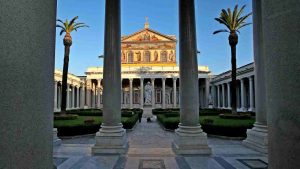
(245, 94)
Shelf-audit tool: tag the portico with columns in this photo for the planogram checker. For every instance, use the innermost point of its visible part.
(245, 89)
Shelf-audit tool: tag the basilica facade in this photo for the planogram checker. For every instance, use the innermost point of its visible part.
(149, 72)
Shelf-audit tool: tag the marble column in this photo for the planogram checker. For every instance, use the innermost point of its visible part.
(73, 97)
(27, 46)
(98, 93)
(82, 97)
(153, 92)
(112, 137)
(251, 92)
(189, 137)
(282, 67)
(68, 96)
(163, 93)
(142, 93)
(243, 108)
(174, 92)
(55, 95)
(130, 94)
(59, 98)
(223, 96)
(206, 100)
(218, 96)
(228, 96)
(257, 137)
(77, 97)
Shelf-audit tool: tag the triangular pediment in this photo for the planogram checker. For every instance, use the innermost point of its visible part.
(148, 35)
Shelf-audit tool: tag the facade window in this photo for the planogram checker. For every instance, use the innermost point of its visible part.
(164, 56)
(158, 96)
(147, 56)
(130, 57)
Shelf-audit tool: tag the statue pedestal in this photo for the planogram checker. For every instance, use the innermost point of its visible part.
(110, 140)
(190, 140)
(257, 138)
(56, 140)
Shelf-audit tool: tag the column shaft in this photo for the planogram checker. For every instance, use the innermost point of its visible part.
(242, 95)
(73, 97)
(68, 96)
(130, 93)
(27, 46)
(55, 95)
(228, 96)
(218, 96)
(189, 137)
(251, 97)
(153, 92)
(223, 96)
(77, 97)
(142, 92)
(174, 92)
(163, 93)
(112, 137)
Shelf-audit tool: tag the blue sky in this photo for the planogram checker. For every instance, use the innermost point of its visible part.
(163, 17)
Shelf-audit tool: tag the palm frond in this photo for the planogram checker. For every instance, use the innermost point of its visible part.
(60, 26)
(221, 30)
(242, 19)
(222, 21)
(62, 31)
(241, 11)
(229, 17)
(60, 21)
(81, 26)
(73, 20)
(234, 18)
(243, 25)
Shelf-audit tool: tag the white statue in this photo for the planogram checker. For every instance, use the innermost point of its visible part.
(148, 94)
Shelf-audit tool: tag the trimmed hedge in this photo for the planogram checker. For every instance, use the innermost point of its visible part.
(65, 117)
(212, 124)
(89, 123)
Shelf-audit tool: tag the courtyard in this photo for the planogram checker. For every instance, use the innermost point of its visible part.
(150, 147)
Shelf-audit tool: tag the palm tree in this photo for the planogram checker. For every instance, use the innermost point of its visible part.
(233, 22)
(67, 27)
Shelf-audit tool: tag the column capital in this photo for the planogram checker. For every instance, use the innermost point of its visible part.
(250, 78)
(152, 79)
(130, 80)
(174, 78)
(163, 79)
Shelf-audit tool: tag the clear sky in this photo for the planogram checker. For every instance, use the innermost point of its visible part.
(163, 17)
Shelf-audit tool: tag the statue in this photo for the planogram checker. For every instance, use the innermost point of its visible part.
(146, 36)
(155, 56)
(171, 56)
(148, 94)
(138, 55)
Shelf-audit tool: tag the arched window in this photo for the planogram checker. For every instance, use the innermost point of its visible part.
(130, 57)
(147, 56)
(164, 56)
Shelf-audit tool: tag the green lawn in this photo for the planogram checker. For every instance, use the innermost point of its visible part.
(217, 121)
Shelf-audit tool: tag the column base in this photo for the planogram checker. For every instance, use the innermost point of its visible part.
(56, 140)
(110, 140)
(251, 109)
(257, 138)
(190, 140)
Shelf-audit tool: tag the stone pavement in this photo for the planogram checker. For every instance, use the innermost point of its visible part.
(150, 148)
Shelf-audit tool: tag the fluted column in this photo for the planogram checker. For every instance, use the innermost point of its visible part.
(68, 96)
(189, 137)
(130, 94)
(257, 137)
(228, 96)
(243, 108)
(142, 92)
(174, 92)
(112, 137)
(163, 93)
(55, 95)
(223, 95)
(153, 92)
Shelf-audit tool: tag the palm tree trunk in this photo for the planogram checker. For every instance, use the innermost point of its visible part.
(233, 80)
(233, 41)
(64, 79)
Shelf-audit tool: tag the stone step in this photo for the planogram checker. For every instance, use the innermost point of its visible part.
(150, 152)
